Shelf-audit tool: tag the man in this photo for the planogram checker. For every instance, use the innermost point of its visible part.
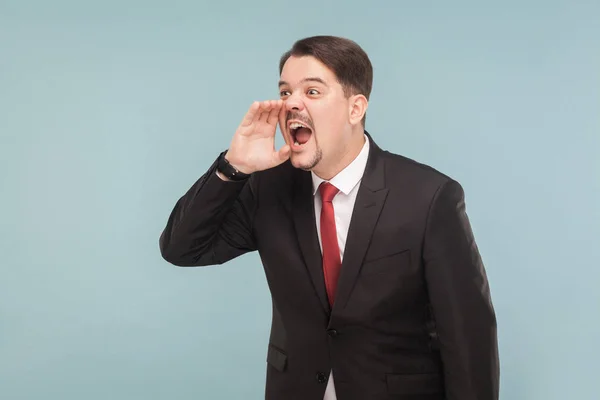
(377, 286)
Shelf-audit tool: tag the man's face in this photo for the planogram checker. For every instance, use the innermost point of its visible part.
(315, 122)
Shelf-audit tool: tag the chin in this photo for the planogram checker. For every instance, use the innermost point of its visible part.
(306, 160)
(303, 166)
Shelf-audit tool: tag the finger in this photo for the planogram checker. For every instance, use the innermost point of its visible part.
(282, 114)
(274, 113)
(251, 114)
(265, 109)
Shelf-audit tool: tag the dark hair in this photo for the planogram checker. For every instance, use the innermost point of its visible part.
(347, 60)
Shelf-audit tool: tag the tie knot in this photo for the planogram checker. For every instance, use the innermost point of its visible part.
(328, 191)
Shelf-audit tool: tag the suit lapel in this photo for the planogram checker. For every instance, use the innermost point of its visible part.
(306, 231)
(369, 203)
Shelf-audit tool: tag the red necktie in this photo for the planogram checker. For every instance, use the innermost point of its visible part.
(331, 251)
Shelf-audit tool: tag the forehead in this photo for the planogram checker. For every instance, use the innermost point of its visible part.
(296, 70)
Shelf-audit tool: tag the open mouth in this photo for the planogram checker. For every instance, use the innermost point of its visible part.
(299, 132)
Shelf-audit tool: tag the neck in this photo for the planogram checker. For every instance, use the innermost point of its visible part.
(328, 170)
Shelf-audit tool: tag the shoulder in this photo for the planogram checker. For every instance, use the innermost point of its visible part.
(421, 182)
(423, 185)
(399, 168)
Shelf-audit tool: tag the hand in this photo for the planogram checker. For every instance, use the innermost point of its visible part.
(253, 145)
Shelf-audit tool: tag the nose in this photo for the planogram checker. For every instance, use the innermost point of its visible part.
(294, 103)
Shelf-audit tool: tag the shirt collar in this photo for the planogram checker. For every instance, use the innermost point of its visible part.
(349, 177)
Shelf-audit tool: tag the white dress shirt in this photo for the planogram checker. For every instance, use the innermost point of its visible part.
(347, 181)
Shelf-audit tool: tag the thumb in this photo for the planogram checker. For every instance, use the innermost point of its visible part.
(282, 155)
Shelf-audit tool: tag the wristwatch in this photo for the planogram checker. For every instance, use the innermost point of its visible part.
(229, 171)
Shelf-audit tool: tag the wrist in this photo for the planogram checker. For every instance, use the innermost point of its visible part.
(229, 170)
(233, 161)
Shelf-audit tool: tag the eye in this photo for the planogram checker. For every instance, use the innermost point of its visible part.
(284, 93)
(313, 92)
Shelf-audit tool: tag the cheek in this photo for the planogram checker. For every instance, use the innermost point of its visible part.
(329, 121)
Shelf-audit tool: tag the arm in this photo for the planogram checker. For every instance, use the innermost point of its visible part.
(211, 223)
(460, 300)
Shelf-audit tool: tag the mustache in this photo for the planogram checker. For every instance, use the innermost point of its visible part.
(299, 117)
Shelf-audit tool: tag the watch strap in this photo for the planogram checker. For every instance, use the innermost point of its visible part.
(229, 171)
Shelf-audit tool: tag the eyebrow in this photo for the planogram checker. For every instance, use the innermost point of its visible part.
(309, 79)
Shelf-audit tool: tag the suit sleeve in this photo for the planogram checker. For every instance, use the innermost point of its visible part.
(211, 223)
(460, 300)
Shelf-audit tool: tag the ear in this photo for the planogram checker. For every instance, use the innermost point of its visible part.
(358, 107)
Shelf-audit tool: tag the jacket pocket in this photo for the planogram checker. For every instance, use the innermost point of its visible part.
(276, 358)
(394, 261)
(414, 384)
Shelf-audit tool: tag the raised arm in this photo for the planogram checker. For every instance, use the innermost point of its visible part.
(212, 222)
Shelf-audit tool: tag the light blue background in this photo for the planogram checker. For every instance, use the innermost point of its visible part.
(110, 110)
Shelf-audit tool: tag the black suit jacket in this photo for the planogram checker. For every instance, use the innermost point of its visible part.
(412, 318)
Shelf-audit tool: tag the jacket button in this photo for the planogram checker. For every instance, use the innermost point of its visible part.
(332, 332)
(321, 377)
